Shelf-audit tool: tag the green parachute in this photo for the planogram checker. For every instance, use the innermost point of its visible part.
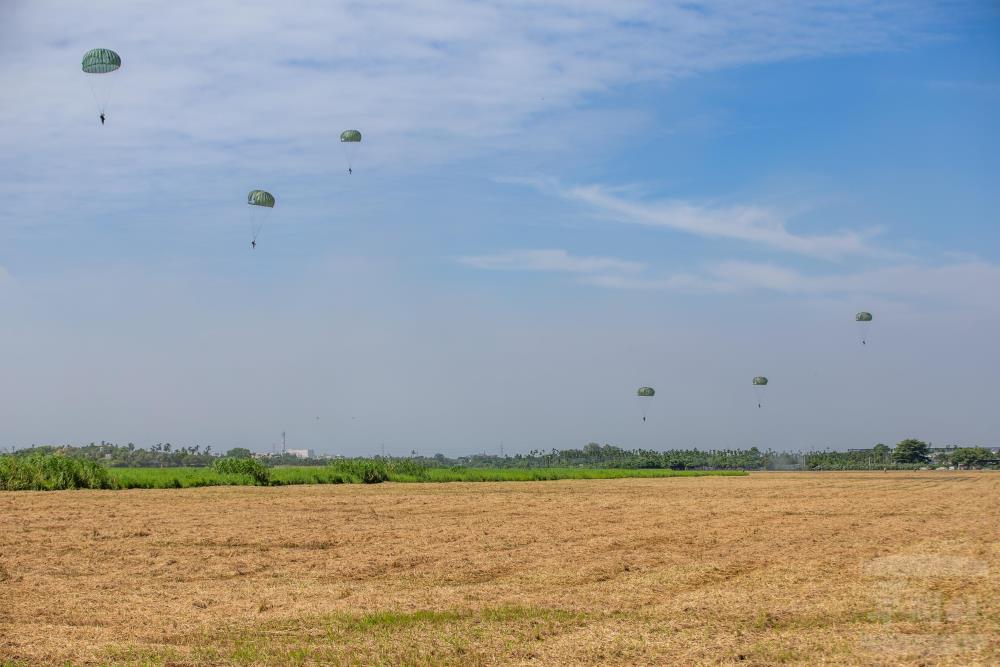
(350, 139)
(759, 383)
(101, 61)
(644, 394)
(261, 202)
(100, 65)
(864, 325)
(260, 198)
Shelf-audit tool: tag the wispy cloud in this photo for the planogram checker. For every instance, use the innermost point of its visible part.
(973, 282)
(254, 87)
(751, 223)
(551, 260)
(966, 282)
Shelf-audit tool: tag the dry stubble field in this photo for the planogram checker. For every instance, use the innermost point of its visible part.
(835, 568)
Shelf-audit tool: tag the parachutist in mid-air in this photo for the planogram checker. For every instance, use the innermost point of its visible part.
(99, 65)
(260, 204)
(644, 394)
(349, 171)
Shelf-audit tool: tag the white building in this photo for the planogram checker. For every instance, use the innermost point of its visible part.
(301, 453)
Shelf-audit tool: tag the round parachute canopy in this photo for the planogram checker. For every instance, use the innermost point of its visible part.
(760, 381)
(350, 136)
(645, 391)
(101, 61)
(260, 198)
(863, 317)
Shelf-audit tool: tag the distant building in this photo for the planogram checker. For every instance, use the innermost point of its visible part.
(301, 453)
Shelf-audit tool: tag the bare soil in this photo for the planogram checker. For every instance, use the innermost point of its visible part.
(825, 568)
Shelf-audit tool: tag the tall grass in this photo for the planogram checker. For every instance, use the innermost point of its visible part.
(54, 471)
(366, 471)
(49, 472)
(175, 478)
(255, 470)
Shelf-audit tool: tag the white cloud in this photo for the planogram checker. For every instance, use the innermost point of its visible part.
(550, 260)
(266, 87)
(754, 224)
(966, 283)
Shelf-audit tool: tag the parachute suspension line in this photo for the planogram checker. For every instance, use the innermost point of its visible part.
(348, 149)
(256, 226)
(254, 230)
(101, 104)
(865, 333)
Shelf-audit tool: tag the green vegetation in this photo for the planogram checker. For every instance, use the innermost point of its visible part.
(367, 471)
(130, 456)
(418, 637)
(46, 472)
(239, 453)
(169, 478)
(911, 451)
(111, 466)
(54, 471)
(971, 456)
(251, 468)
(546, 474)
(371, 471)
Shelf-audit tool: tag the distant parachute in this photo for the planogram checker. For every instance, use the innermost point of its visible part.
(644, 394)
(260, 204)
(759, 383)
(99, 65)
(350, 139)
(260, 198)
(864, 323)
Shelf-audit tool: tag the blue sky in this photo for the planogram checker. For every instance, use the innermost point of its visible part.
(554, 203)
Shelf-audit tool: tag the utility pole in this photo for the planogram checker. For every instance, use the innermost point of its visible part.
(282, 442)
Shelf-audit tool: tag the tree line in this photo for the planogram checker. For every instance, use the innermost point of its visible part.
(909, 453)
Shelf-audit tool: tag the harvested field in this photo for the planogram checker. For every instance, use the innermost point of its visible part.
(837, 568)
